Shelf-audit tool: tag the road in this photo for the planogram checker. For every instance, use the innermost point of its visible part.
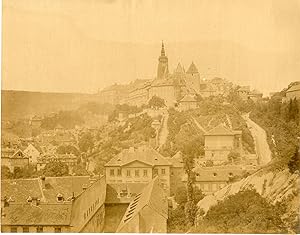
(163, 134)
(260, 139)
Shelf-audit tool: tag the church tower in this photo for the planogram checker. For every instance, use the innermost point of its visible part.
(162, 70)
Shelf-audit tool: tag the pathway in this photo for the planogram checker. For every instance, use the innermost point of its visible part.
(260, 139)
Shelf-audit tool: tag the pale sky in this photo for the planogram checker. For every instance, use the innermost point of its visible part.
(84, 45)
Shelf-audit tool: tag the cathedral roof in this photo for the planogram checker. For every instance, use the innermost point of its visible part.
(179, 69)
(192, 69)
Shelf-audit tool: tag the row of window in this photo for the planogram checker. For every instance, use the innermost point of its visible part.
(91, 209)
(211, 187)
(39, 229)
(136, 172)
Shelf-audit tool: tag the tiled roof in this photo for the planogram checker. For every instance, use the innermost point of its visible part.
(188, 98)
(192, 69)
(152, 196)
(112, 191)
(163, 82)
(221, 129)
(143, 154)
(20, 189)
(43, 214)
(66, 186)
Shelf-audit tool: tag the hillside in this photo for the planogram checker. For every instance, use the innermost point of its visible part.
(276, 186)
(23, 104)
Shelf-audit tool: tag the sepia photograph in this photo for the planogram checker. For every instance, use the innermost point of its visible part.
(150, 116)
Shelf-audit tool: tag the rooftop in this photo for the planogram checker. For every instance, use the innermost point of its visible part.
(152, 196)
(43, 214)
(20, 189)
(192, 69)
(222, 130)
(142, 154)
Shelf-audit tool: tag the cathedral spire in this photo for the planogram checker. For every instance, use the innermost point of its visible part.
(162, 53)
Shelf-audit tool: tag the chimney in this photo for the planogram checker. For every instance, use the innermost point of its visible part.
(35, 201)
(93, 179)
(84, 187)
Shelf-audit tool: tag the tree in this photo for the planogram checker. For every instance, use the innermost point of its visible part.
(56, 169)
(156, 102)
(181, 195)
(5, 172)
(294, 162)
(244, 212)
(86, 142)
(80, 170)
(234, 156)
(67, 149)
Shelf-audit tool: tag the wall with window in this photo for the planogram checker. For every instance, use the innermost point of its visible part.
(87, 207)
(134, 172)
(163, 173)
(35, 229)
(210, 187)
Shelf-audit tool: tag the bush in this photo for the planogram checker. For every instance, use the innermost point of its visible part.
(245, 212)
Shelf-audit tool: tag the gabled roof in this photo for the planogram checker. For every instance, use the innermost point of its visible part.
(144, 154)
(192, 69)
(152, 196)
(222, 130)
(17, 154)
(188, 98)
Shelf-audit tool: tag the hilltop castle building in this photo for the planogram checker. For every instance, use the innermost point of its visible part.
(171, 87)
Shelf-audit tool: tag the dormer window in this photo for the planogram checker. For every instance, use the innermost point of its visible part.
(29, 199)
(60, 197)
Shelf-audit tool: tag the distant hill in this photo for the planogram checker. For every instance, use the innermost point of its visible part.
(24, 104)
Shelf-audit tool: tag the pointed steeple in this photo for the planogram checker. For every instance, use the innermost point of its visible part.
(179, 69)
(162, 70)
(162, 53)
(192, 69)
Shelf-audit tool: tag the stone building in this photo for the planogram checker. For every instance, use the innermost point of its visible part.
(187, 102)
(54, 204)
(177, 172)
(212, 179)
(33, 152)
(14, 158)
(169, 86)
(69, 159)
(147, 212)
(220, 141)
(138, 165)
